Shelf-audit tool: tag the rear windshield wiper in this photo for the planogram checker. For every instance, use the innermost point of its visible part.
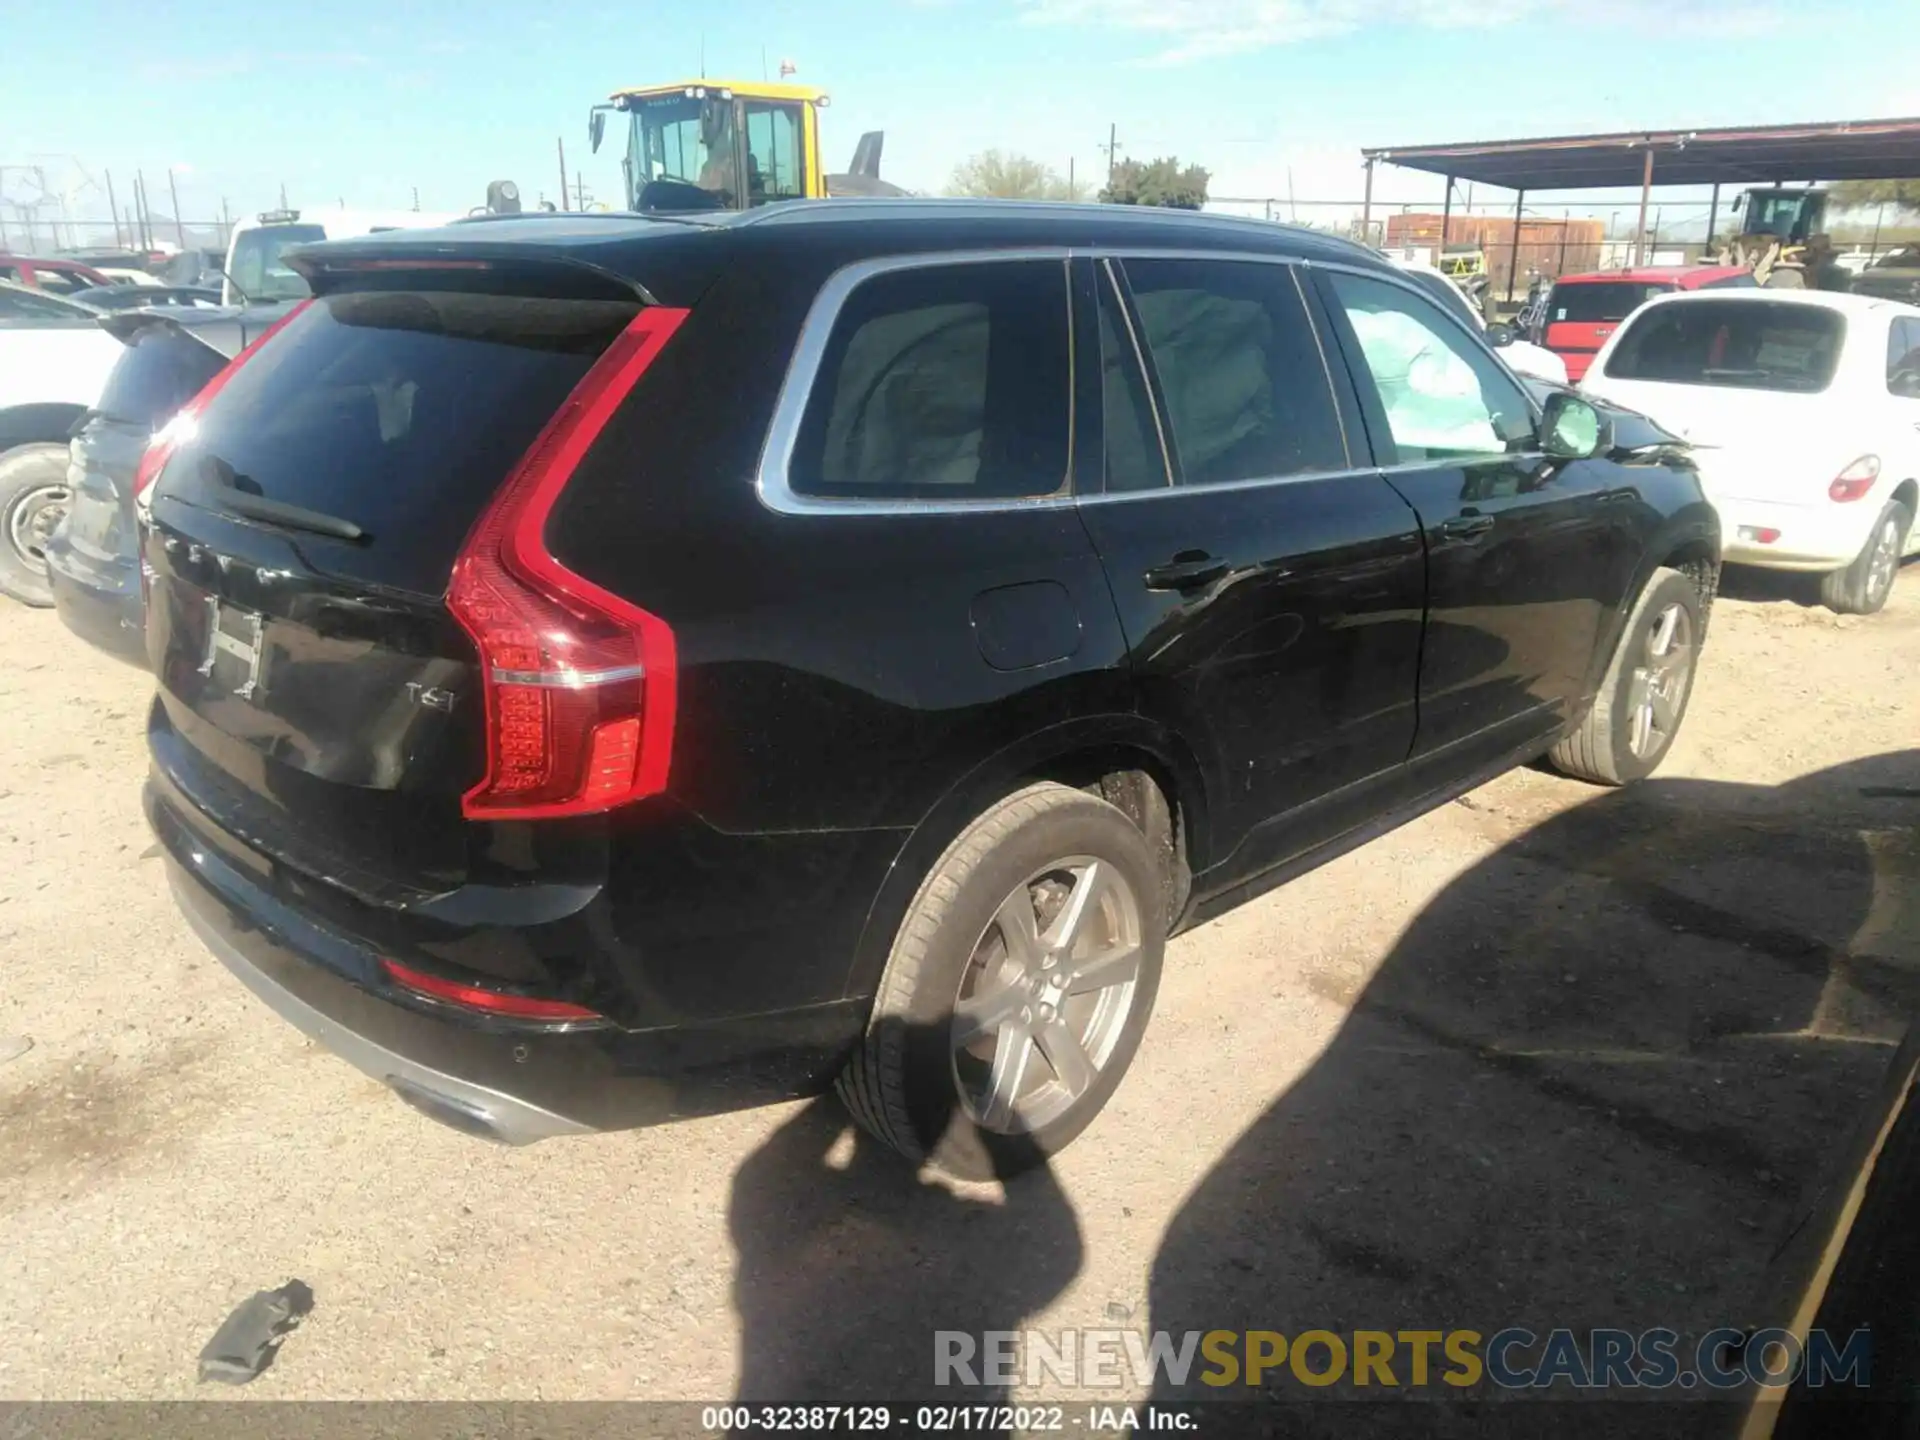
(235, 497)
(291, 517)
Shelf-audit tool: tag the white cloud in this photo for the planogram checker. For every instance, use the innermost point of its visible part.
(1192, 30)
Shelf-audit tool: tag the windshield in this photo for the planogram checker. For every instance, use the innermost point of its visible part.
(679, 141)
(1734, 344)
(1776, 214)
(256, 266)
(1599, 302)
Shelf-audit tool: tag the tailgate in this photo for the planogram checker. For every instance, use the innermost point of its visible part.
(316, 695)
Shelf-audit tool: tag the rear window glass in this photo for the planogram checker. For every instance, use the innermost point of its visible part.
(950, 382)
(1737, 344)
(1599, 302)
(400, 411)
(159, 372)
(1742, 281)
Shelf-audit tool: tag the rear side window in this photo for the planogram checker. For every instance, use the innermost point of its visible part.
(1599, 302)
(160, 371)
(400, 411)
(1742, 345)
(1134, 458)
(1903, 358)
(1240, 374)
(948, 382)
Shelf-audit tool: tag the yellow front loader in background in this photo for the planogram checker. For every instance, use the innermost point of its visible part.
(730, 145)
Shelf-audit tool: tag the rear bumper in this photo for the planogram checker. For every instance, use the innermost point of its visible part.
(1820, 537)
(99, 602)
(505, 1081)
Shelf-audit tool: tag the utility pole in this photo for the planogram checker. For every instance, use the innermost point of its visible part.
(146, 215)
(115, 209)
(561, 146)
(579, 191)
(1112, 147)
(283, 194)
(226, 224)
(416, 199)
(179, 225)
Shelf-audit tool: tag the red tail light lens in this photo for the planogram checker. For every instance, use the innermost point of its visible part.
(492, 1002)
(579, 684)
(1856, 480)
(186, 420)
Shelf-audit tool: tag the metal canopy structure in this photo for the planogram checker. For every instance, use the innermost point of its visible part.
(1741, 155)
(1733, 155)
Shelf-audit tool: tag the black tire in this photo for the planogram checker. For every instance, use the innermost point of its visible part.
(902, 1084)
(1601, 747)
(1863, 587)
(33, 496)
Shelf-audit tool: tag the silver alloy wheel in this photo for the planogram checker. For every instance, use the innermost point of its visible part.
(1885, 560)
(32, 521)
(1660, 682)
(1046, 994)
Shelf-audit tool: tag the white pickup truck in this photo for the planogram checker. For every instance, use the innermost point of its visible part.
(54, 360)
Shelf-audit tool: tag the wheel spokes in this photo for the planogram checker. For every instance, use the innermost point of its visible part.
(981, 1014)
(1020, 930)
(1012, 1054)
(1111, 967)
(1065, 1054)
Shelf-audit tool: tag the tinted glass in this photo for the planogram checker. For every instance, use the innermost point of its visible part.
(1744, 345)
(60, 282)
(773, 153)
(257, 267)
(1444, 395)
(1134, 460)
(1743, 281)
(1903, 358)
(399, 411)
(1599, 302)
(159, 372)
(950, 382)
(1240, 373)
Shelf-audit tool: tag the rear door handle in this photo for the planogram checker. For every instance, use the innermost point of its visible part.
(1187, 571)
(1466, 527)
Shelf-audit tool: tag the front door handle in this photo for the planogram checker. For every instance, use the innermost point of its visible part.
(1466, 527)
(1186, 571)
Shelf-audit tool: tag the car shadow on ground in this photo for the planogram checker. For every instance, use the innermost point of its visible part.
(1594, 1084)
(848, 1264)
(1788, 587)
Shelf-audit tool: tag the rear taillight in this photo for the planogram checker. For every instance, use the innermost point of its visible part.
(490, 1002)
(578, 683)
(1856, 480)
(186, 420)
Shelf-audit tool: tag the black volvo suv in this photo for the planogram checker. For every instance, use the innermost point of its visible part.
(616, 668)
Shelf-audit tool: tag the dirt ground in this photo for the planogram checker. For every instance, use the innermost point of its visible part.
(1548, 1056)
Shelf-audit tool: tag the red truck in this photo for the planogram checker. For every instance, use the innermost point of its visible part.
(1584, 310)
(59, 277)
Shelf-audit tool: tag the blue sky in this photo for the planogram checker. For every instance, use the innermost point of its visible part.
(363, 100)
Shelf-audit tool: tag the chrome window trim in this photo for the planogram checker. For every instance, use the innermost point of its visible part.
(770, 478)
(789, 410)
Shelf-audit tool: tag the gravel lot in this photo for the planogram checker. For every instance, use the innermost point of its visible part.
(1549, 1054)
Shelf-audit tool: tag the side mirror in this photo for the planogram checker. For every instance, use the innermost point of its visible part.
(1500, 334)
(1571, 429)
(596, 128)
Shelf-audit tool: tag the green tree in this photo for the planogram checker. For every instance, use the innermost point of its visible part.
(1863, 194)
(993, 174)
(1157, 182)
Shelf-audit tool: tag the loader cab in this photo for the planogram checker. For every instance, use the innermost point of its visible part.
(1789, 216)
(717, 145)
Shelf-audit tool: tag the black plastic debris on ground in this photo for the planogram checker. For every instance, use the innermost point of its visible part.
(246, 1342)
